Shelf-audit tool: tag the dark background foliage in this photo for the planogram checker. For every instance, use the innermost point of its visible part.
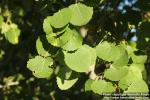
(109, 15)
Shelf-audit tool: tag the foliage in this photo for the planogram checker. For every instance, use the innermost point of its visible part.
(66, 49)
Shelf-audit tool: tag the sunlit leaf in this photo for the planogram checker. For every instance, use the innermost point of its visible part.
(74, 42)
(47, 26)
(101, 86)
(112, 53)
(40, 66)
(133, 75)
(40, 48)
(81, 14)
(1, 21)
(115, 74)
(66, 78)
(138, 87)
(81, 60)
(88, 84)
(61, 18)
(12, 34)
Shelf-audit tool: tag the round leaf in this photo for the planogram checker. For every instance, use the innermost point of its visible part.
(40, 66)
(133, 75)
(101, 86)
(108, 51)
(115, 74)
(138, 87)
(81, 14)
(61, 18)
(81, 60)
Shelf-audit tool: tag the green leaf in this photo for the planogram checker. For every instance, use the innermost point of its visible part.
(40, 66)
(47, 26)
(139, 58)
(40, 48)
(115, 74)
(5, 28)
(65, 37)
(70, 40)
(65, 84)
(60, 31)
(81, 60)
(101, 86)
(104, 50)
(53, 40)
(1, 21)
(88, 84)
(122, 60)
(74, 42)
(12, 34)
(140, 66)
(138, 87)
(133, 75)
(61, 18)
(130, 50)
(66, 78)
(81, 14)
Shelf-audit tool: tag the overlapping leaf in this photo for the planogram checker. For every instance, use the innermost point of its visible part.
(138, 86)
(65, 72)
(133, 75)
(109, 52)
(59, 41)
(53, 40)
(115, 74)
(70, 40)
(101, 86)
(74, 41)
